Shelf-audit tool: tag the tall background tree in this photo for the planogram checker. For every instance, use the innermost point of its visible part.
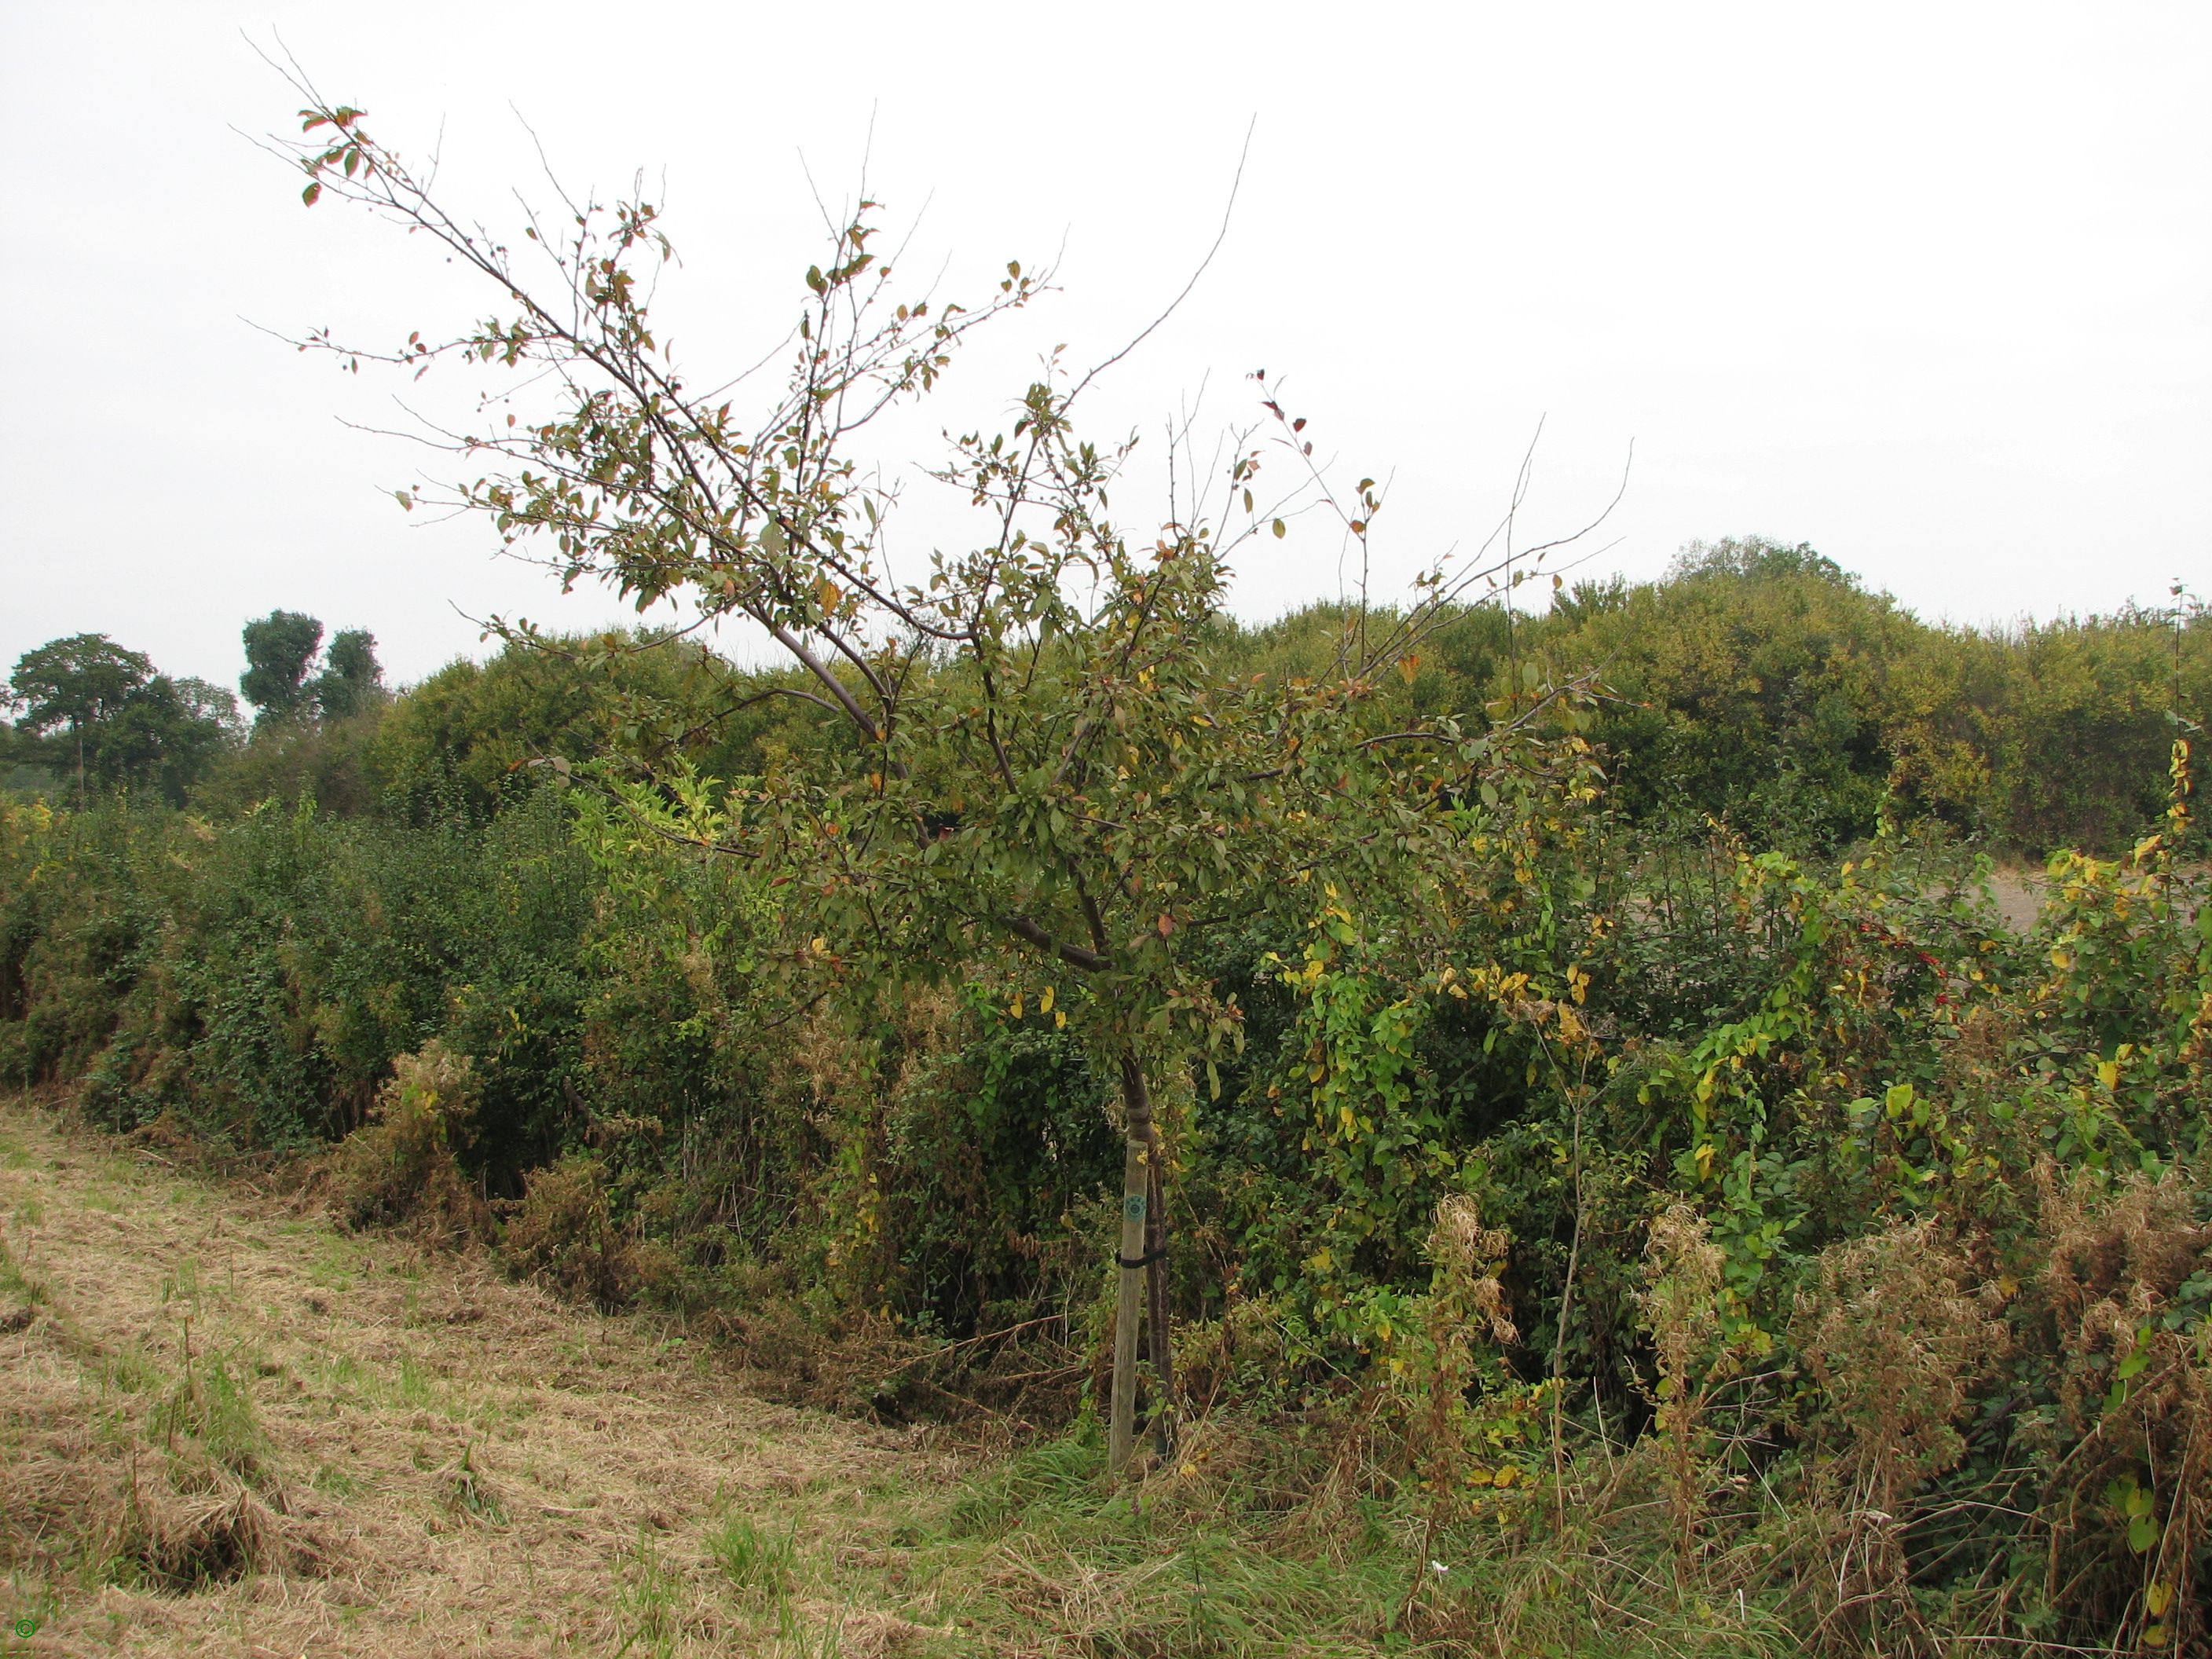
(279, 648)
(351, 679)
(90, 708)
(283, 682)
(69, 687)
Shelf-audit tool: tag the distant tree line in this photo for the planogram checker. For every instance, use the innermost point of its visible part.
(1755, 683)
(93, 716)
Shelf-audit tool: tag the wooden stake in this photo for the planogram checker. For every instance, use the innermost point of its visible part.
(1122, 1424)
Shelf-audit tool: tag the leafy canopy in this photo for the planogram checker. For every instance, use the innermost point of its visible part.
(278, 648)
(281, 679)
(1040, 756)
(97, 709)
(74, 683)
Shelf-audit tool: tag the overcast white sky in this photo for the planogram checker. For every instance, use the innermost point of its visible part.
(1928, 286)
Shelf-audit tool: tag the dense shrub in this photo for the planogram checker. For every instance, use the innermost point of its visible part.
(562, 1232)
(400, 1166)
(1763, 684)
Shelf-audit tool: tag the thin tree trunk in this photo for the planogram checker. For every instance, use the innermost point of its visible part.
(1156, 1314)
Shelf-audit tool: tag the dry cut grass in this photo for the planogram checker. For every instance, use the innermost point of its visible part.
(227, 1426)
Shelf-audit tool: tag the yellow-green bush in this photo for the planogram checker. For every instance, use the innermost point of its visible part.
(399, 1167)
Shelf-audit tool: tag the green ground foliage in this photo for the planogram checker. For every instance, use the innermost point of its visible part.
(1714, 1230)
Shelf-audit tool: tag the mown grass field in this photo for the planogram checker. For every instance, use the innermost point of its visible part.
(372, 1451)
(227, 1426)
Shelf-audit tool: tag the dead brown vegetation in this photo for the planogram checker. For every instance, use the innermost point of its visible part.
(2134, 1399)
(399, 1167)
(1896, 1334)
(561, 1233)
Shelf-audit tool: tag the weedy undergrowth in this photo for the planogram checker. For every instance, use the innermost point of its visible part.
(400, 1166)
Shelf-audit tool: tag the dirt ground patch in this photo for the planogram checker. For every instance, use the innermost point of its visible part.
(227, 1426)
(2019, 895)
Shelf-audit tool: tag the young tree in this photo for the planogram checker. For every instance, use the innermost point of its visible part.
(1044, 770)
